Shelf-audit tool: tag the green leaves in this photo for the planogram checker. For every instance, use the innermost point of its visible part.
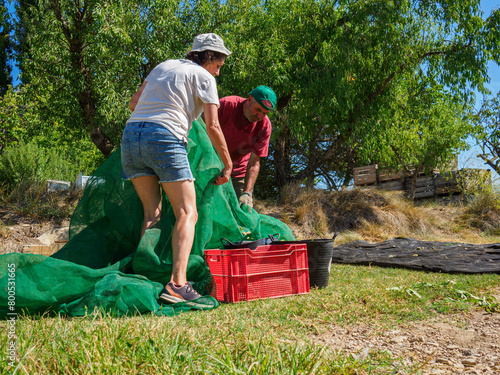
(354, 74)
(447, 291)
(27, 163)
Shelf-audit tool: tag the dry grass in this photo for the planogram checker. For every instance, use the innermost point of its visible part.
(35, 203)
(302, 209)
(375, 216)
(309, 210)
(4, 229)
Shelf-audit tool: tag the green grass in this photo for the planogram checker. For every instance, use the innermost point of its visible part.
(274, 336)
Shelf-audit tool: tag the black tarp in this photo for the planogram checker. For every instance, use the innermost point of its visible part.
(448, 257)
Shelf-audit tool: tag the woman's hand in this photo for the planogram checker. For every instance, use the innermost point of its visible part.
(223, 177)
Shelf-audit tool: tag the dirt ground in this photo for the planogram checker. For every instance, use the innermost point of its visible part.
(17, 232)
(465, 344)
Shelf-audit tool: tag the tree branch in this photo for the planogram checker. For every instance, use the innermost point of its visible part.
(491, 162)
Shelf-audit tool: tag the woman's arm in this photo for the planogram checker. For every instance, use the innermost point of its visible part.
(136, 96)
(217, 138)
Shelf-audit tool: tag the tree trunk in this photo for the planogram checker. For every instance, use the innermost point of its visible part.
(88, 106)
(282, 154)
(102, 142)
(74, 33)
(282, 162)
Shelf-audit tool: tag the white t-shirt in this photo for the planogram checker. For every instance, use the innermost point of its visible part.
(174, 96)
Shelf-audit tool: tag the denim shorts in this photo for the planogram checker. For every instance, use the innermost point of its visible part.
(149, 149)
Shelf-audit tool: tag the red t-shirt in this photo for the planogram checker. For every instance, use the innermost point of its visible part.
(242, 136)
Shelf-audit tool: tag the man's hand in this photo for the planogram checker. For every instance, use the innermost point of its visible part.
(246, 198)
(224, 176)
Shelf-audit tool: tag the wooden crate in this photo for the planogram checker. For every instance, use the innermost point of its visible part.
(365, 175)
(392, 185)
(386, 175)
(424, 193)
(46, 250)
(424, 187)
(38, 249)
(447, 183)
(58, 245)
(431, 185)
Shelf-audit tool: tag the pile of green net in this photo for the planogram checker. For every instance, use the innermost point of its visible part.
(104, 268)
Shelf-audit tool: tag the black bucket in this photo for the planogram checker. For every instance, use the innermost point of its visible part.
(252, 245)
(319, 258)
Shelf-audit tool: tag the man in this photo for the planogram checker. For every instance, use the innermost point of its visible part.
(247, 130)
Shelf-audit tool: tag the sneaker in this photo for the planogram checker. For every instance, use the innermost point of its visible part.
(175, 294)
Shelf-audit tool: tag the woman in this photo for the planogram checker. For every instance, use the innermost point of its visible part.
(154, 146)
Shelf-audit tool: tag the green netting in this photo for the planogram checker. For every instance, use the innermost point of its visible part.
(104, 267)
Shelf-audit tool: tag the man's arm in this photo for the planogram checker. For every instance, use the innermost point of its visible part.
(253, 168)
(216, 136)
(136, 96)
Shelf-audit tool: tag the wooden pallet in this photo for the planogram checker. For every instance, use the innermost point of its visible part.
(371, 174)
(424, 187)
(433, 185)
(392, 185)
(365, 175)
(386, 175)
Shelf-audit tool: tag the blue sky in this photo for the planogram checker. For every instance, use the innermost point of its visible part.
(494, 70)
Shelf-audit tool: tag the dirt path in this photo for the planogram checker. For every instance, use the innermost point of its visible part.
(454, 345)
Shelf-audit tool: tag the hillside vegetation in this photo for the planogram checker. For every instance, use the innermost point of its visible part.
(375, 215)
(357, 214)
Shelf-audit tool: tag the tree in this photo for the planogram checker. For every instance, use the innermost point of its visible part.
(87, 58)
(338, 66)
(425, 131)
(67, 67)
(346, 72)
(487, 122)
(5, 49)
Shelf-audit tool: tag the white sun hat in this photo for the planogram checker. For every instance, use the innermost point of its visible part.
(209, 41)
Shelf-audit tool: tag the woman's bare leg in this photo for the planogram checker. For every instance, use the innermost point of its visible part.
(148, 190)
(182, 197)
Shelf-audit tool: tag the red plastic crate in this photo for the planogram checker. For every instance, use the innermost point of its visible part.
(269, 271)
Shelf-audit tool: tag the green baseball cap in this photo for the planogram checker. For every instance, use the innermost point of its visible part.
(264, 96)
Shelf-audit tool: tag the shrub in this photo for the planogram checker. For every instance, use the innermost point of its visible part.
(480, 194)
(28, 163)
(482, 201)
(308, 205)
